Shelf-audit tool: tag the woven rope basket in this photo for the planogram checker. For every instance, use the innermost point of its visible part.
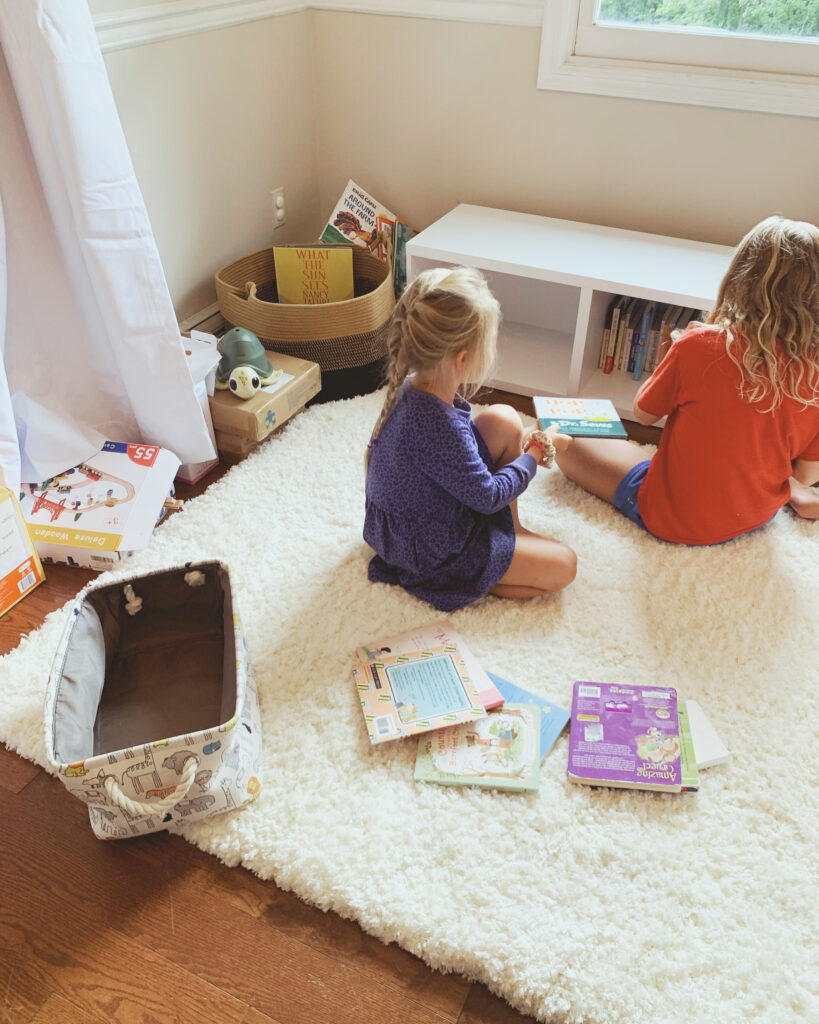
(336, 335)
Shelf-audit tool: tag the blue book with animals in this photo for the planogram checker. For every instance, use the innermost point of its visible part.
(553, 718)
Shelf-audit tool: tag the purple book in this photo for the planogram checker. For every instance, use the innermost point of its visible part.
(625, 736)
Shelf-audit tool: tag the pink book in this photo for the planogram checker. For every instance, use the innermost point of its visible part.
(435, 634)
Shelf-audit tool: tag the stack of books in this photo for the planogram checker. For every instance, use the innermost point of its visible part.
(474, 728)
(638, 334)
(639, 737)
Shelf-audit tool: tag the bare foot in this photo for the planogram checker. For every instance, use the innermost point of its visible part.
(804, 500)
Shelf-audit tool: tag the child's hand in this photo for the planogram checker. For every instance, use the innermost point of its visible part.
(560, 441)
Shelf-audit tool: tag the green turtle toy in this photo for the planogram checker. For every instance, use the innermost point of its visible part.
(244, 366)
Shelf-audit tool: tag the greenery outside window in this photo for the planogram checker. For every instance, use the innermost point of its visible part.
(745, 54)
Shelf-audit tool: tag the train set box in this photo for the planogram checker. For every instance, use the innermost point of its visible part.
(101, 511)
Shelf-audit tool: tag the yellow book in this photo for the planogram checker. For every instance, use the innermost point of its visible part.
(312, 274)
(20, 568)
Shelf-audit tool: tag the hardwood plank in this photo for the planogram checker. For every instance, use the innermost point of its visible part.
(482, 1007)
(334, 936)
(15, 771)
(156, 903)
(58, 1010)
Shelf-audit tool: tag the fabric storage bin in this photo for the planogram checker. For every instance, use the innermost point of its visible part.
(347, 339)
(151, 716)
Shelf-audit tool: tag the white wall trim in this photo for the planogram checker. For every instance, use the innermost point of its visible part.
(151, 23)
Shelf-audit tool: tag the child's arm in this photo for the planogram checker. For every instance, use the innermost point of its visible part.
(806, 472)
(456, 466)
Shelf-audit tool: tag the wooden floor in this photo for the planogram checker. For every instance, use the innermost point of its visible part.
(154, 930)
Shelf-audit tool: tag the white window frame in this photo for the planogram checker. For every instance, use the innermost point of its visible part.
(707, 69)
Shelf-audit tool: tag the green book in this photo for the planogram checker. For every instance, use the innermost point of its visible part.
(500, 751)
(688, 762)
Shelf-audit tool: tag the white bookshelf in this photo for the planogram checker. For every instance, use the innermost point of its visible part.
(555, 279)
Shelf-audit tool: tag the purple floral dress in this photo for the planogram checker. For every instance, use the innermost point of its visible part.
(437, 510)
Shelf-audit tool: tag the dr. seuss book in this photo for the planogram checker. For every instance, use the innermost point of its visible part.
(552, 718)
(579, 417)
(360, 219)
(625, 736)
(405, 694)
(312, 274)
(435, 634)
(501, 751)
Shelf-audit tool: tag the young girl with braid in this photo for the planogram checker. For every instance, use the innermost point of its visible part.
(442, 484)
(741, 393)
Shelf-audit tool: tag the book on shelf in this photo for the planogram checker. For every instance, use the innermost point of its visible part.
(633, 313)
(500, 751)
(611, 342)
(612, 314)
(313, 274)
(579, 417)
(634, 340)
(359, 218)
(624, 332)
(709, 750)
(440, 633)
(406, 694)
(646, 322)
(626, 737)
(672, 314)
(654, 338)
(553, 718)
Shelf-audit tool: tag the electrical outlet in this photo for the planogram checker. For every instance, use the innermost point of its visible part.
(279, 212)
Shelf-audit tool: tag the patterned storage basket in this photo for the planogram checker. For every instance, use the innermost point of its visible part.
(347, 339)
(151, 715)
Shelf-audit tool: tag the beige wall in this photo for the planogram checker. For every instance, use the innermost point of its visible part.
(440, 112)
(424, 114)
(214, 121)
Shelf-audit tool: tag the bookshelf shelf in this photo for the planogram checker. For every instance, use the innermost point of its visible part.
(555, 280)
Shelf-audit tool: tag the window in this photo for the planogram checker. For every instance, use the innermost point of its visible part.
(746, 54)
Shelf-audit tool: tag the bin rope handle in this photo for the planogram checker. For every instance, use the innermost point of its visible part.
(112, 788)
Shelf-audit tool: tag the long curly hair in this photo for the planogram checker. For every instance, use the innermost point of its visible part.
(443, 311)
(768, 307)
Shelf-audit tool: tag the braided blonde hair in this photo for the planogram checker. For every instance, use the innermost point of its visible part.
(770, 295)
(443, 311)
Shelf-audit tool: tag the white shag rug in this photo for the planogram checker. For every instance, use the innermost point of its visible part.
(574, 904)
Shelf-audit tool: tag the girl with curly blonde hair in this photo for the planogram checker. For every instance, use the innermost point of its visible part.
(442, 484)
(741, 393)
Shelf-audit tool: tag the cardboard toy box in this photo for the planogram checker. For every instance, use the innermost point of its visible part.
(20, 569)
(254, 418)
(99, 512)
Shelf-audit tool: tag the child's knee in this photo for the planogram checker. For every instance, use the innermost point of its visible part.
(565, 566)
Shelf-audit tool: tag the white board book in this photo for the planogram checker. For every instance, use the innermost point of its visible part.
(579, 417)
(708, 747)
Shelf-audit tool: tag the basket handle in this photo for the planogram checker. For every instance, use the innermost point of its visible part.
(114, 791)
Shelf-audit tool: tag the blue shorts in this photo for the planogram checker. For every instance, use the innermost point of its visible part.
(625, 501)
(625, 497)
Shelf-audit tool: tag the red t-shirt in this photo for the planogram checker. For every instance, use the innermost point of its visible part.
(723, 464)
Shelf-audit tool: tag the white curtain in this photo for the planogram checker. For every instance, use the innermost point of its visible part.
(91, 347)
